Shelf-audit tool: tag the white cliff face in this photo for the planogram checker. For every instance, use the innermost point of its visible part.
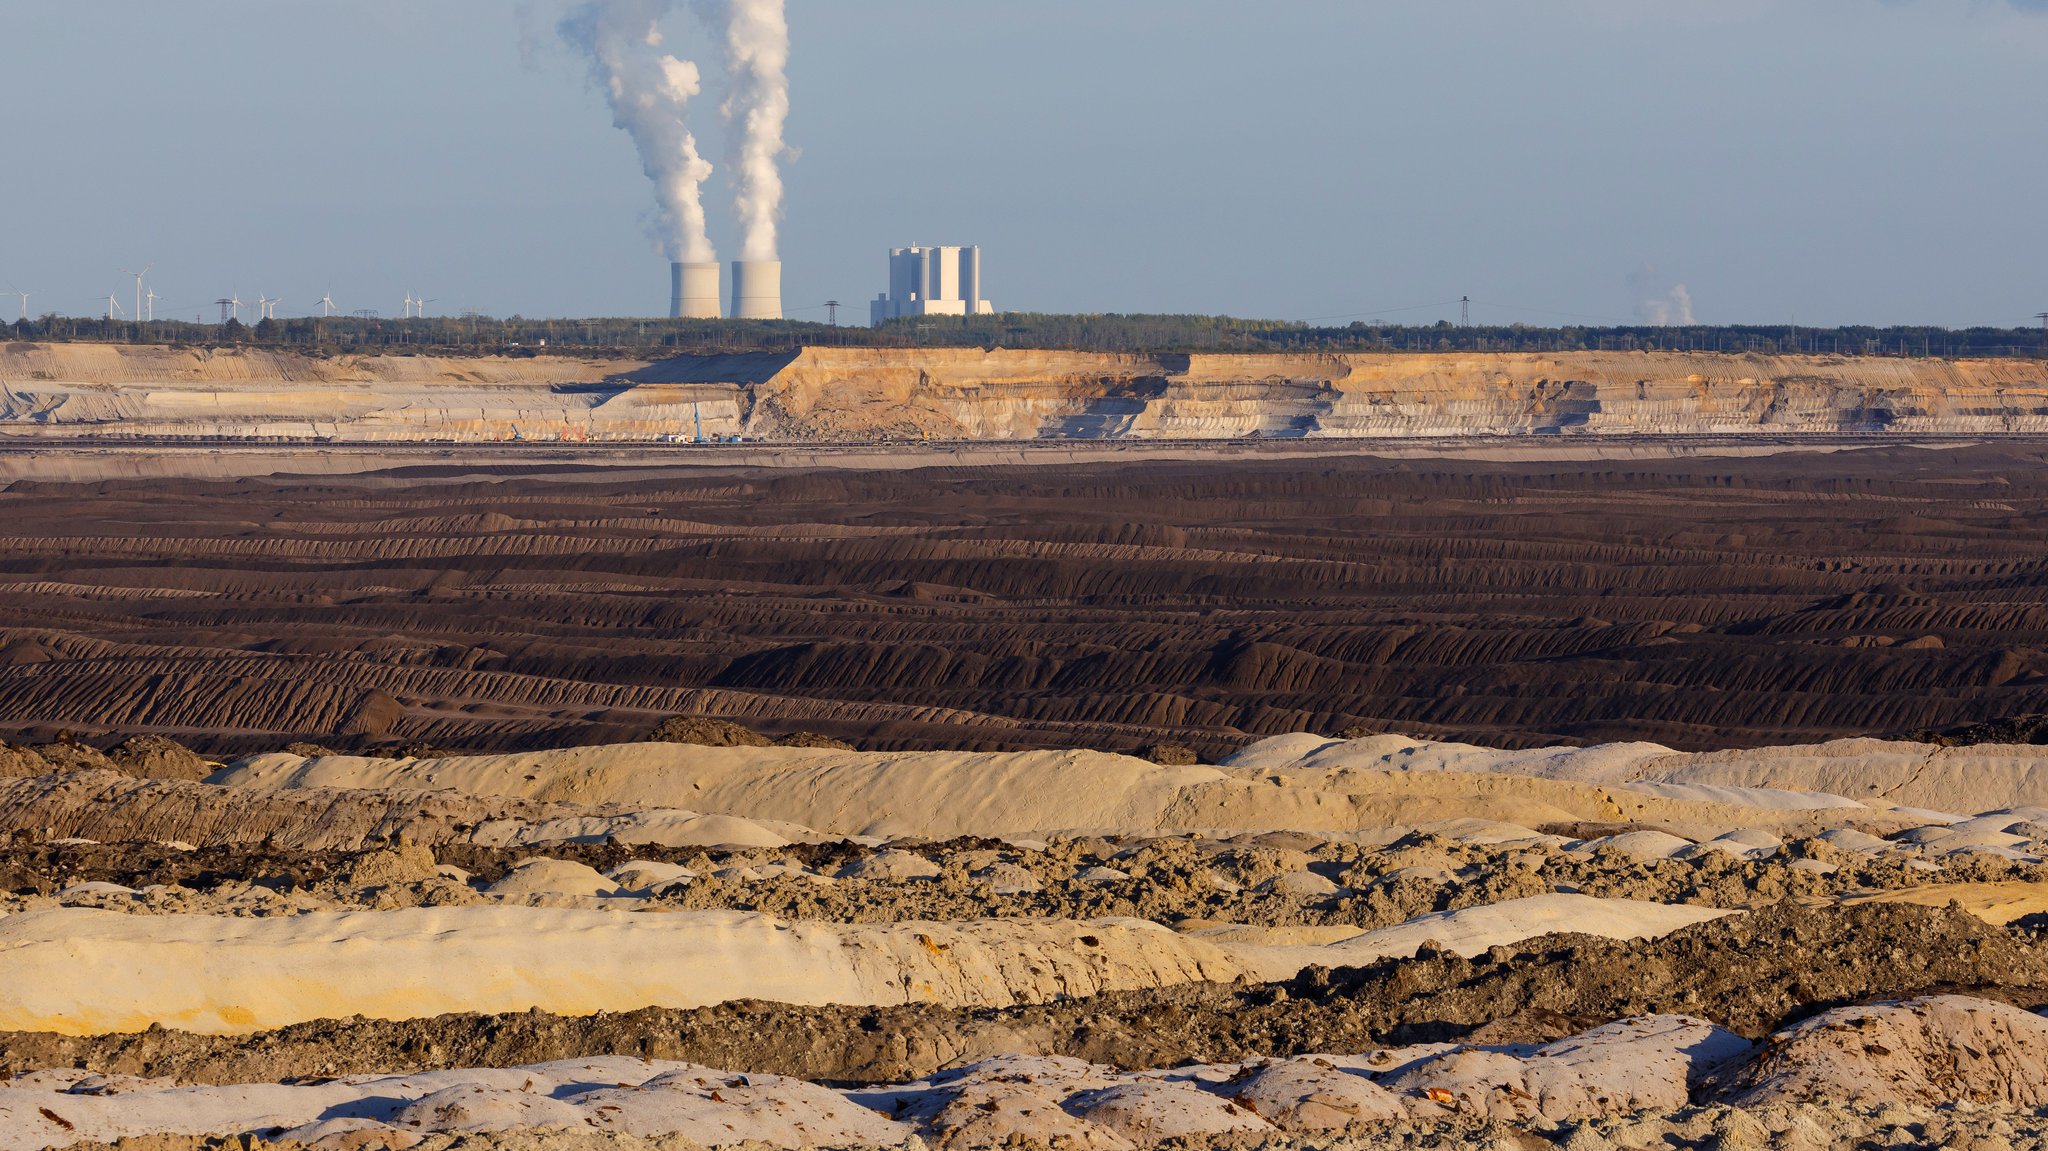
(840, 394)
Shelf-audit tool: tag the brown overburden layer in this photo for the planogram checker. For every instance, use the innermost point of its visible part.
(1700, 602)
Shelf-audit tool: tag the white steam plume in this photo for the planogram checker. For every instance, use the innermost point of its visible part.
(650, 92)
(1674, 307)
(1681, 306)
(757, 67)
(1656, 307)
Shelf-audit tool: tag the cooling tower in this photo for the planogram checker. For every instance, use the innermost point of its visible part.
(757, 289)
(695, 291)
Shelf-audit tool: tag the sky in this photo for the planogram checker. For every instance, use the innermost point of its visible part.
(1569, 161)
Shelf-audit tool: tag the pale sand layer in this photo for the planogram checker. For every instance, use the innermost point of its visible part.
(1306, 784)
(1998, 903)
(1883, 773)
(86, 971)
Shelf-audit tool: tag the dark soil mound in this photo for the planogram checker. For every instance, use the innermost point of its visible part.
(707, 732)
(155, 757)
(2022, 729)
(813, 739)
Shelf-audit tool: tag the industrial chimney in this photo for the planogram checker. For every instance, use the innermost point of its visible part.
(694, 294)
(757, 289)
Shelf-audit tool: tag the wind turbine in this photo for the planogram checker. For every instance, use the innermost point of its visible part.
(327, 304)
(151, 298)
(113, 306)
(267, 306)
(138, 285)
(423, 306)
(409, 301)
(24, 300)
(235, 306)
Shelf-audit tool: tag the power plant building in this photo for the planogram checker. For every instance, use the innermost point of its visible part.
(944, 281)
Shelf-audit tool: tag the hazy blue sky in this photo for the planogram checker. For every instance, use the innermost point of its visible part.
(1830, 160)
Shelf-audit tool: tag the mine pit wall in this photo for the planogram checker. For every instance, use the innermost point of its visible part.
(838, 394)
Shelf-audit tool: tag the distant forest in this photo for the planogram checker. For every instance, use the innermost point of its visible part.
(1096, 333)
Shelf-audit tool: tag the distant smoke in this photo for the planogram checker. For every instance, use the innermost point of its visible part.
(1655, 305)
(650, 92)
(757, 67)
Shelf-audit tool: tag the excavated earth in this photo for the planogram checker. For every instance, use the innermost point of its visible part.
(616, 805)
(1797, 961)
(1699, 602)
(1871, 976)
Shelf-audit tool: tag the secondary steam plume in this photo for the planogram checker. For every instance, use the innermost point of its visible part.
(650, 92)
(1675, 307)
(1655, 306)
(757, 67)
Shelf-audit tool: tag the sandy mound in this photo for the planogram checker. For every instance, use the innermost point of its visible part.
(1637, 1064)
(1633, 1065)
(554, 877)
(1649, 1064)
(1276, 953)
(1979, 777)
(81, 971)
(85, 971)
(1999, 903)
(936, 794)
(1795, 960)
(1934, 1050)
(613, 1094)
(1035, 794)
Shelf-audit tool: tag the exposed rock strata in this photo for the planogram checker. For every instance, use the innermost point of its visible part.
(971, 394)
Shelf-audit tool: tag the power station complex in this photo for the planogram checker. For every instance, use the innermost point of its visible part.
(756, 290)
(943, 281)
(939, 281)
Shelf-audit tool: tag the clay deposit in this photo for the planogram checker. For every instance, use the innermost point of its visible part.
(842, 394)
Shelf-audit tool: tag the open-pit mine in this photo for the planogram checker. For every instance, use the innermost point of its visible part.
(1585, 751)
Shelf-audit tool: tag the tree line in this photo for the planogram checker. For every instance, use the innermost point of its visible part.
(1134, 334)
